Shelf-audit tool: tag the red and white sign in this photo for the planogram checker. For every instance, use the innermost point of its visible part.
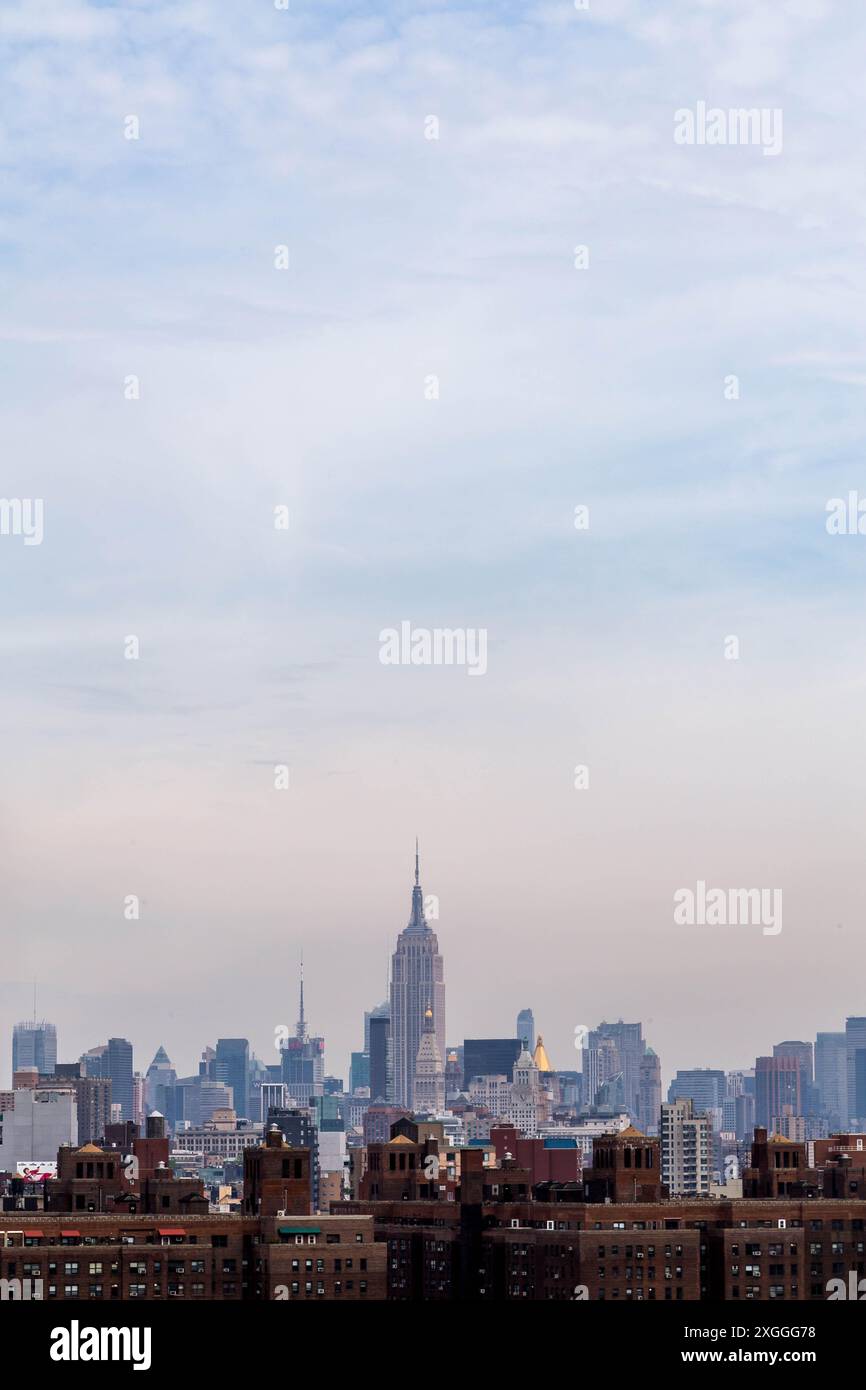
(36, 1172)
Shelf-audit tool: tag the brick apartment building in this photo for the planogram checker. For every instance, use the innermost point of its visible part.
(491, 1236)
(618, 1237)
(215, 1257)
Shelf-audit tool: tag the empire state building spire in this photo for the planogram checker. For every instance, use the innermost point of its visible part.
(417, 920)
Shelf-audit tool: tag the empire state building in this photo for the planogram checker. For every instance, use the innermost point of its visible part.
(417, 984)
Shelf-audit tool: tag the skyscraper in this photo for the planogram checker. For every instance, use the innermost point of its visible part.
(231, 1066)
(490, 1057)
(831, 1078)
(649, 1111)
(855, 1043)
(118, 1065)
(303, 1058)
(159, 1085)
(803, 1053)
(612, 1048)
(525, 1031)
(379, 1027)
(34, 1045)
(778, 1086)
(417, 980)
(703, 1085)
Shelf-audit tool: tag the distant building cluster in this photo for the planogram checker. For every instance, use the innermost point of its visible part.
(743, 1184)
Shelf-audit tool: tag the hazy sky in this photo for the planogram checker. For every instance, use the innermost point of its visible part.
(412, 257)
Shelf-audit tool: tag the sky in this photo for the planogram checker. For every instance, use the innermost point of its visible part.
(430, 388)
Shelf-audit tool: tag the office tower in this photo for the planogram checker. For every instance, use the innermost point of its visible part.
(599, 1061)
(650, 1102)
(613, 1048)
(429, 1083)
(703, 1085)
(855, 1042)
(490, 1057)
(526, 1028)
(685, 1145)
(34, 1045)
(40, 1121)
(303, 1058)
(831, 1078)
(802, 1051)
(359, 1072)
(380, 1053)
(860, 1087)
(114, 1061)
(206, 1098)
(92, 1098)
(231, 1066)
(777, 1089)
(160, 1082)
(738, 1115)
(380, 1011)
(417, 979)
(93, 1062)
(804, 1054)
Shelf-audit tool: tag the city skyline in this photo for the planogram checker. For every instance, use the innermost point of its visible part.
(565, 1060)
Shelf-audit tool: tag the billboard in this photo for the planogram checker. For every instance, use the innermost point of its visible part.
(36, 1171)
